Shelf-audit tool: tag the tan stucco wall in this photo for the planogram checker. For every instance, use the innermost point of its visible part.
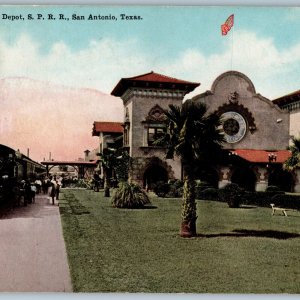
(295, 123)
(141, 108)
(272, 123)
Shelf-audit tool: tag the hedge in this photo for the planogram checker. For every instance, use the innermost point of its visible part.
(208, 194)
(204, 192)
(287, 201)
(262, 199)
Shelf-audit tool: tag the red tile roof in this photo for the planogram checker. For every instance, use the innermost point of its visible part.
(107, 127)
(262, 156)
(159, 78)
(153, 79)
(287, 99)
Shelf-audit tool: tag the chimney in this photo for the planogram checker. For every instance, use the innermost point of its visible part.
(27, 152)
(86, 156)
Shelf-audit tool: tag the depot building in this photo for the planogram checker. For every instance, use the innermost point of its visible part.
(257, 131)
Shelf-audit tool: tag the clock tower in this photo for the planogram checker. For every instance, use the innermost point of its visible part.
(255, 130)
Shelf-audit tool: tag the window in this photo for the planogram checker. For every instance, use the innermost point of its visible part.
(126, 135)
(154, 133)
(126, 128)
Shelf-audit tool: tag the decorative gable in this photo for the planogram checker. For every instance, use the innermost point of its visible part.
(156, 114)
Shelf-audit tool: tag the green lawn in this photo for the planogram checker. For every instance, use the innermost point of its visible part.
(242, 250)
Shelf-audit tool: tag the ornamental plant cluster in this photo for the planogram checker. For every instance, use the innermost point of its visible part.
(129, 195)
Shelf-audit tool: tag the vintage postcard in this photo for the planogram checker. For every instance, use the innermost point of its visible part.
(150, 149)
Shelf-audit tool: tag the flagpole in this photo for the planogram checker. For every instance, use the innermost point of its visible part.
(225, 28)
(232, 48)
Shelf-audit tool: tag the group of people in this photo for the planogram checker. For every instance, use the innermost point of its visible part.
(25, 191)
(28, 190)
(51, 186)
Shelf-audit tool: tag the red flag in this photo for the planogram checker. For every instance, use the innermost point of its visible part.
(227, 25)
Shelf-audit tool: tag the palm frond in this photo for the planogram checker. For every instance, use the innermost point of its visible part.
(293, 161)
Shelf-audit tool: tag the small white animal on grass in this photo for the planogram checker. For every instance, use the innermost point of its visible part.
(274, 208)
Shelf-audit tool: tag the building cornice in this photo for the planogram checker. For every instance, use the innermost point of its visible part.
(152, 93)
(291, 106)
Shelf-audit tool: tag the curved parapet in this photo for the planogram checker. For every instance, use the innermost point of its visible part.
(233, 80)
(250, 121)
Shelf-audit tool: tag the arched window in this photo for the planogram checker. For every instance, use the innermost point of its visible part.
(126, 128)
(154, 125)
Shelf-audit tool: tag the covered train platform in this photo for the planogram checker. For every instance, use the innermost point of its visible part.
(82, 167)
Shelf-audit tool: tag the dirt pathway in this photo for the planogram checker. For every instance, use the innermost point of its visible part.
(32, 250)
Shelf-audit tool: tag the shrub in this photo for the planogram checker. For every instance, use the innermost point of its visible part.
(201, 186)
(80, 183)
(208, 194)
(90, 183)
(175, 188)
(232, 194)
(161, 188)
(129, 195)
(272, 188)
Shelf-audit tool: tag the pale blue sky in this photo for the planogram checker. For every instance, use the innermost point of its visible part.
(184, 42)
(172, 28)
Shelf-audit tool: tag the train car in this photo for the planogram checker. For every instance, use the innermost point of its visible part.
(15, 167)
(28, 168)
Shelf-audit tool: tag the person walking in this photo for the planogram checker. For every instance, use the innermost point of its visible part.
(33, 192)
(45, 185)
(53, 191)
(96, 182)
(38, 184)
(57, 189)
(27, 196)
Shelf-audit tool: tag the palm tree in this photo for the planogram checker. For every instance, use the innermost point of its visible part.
(108, 160)
(114, 162)
(122, 164)
(196, 137)
(293, 161)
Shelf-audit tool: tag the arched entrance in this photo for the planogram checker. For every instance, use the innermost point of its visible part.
(282, 179)
(153, 174)
(245, 178)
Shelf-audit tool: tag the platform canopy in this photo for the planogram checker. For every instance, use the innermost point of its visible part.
(81, 166)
